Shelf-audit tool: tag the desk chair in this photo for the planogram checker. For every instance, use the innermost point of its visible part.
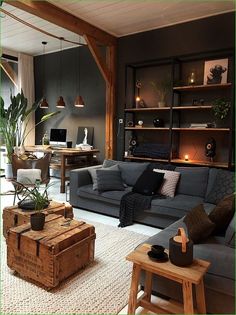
(27, 171)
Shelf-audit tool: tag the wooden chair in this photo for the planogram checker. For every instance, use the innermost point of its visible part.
(19, 164)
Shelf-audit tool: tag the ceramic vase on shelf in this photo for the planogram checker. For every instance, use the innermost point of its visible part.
(161, 104)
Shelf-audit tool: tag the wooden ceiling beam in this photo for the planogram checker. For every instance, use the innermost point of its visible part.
(94, 49)
(56, 15)
(9, 72)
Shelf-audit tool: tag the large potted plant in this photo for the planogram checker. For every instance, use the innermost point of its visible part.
(14, 122)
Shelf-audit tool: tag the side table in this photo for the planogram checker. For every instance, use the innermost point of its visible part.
(186, 276)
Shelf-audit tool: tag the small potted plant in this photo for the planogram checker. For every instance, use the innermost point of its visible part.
(162, 89)
(35, 200)
(221, 107)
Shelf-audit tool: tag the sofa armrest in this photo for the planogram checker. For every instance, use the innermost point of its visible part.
(79, 177)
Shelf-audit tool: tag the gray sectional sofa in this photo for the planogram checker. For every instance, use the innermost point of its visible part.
(194, 185)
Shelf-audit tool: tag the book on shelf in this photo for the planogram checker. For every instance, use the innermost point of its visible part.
(198, 125)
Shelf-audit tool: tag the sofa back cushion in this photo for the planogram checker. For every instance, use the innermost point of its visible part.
(230, 233)
(223, 185)
(193, 180)
(130, 171)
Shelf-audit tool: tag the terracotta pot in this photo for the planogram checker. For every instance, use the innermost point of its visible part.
(37, 221)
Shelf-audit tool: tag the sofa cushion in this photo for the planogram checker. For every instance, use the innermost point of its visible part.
(230, 233)
(211, 179)
(174, 207)
(222, 214)
(109, 180)
(170, 181)
(93, 173)
(193, 181)
(198, 224)
(130, 171)
(161, 166)
(112, 197)
(223, 185)
(148, 183)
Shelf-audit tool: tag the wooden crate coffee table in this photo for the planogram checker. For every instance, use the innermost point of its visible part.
(14, 216)
(186, 276)
(49, 256)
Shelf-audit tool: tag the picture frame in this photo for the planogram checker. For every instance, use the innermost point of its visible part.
(215, 71)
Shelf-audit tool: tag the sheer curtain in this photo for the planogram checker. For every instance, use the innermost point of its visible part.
(26, 83)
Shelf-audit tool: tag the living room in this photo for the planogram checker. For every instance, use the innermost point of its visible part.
(118, 72)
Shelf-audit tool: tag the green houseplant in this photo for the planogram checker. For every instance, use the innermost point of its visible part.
(37, 200)
(15, 119)
(221, 107)
(162, 89)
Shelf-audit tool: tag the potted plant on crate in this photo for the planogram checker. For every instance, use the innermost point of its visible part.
(37, 200)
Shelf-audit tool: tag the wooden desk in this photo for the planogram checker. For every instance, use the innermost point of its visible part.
(64, 154)
(186, 276)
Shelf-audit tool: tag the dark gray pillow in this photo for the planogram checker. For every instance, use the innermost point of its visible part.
(131, 171)
(109, 180)
(193, 181)
(230, 234)
(109, 163)
(93, 173)
(223, 185)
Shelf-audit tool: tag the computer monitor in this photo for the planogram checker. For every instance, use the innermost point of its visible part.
(58, 137)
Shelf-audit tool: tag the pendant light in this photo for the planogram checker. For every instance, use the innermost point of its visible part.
(44, 103)
(60, 101)
(79, 102)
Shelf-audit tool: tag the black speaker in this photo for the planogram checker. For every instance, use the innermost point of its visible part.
(210, 148)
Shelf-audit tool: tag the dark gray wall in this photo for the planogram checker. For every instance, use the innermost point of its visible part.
(202, 35)
(92, 88)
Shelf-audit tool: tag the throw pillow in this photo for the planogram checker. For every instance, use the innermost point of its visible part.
(93, 173)
(223, 186)
(169, 184)
(148, 183)
(130, 171)
(109, 180)
(198, 224)
(230, 233)
(222, 214)
(28, 176)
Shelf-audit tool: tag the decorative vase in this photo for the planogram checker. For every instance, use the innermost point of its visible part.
(180, 249)
(158, 122)
(37, 221)
(162, 104)
(8, 171)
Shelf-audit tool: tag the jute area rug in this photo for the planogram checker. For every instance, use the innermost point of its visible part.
(101, 288)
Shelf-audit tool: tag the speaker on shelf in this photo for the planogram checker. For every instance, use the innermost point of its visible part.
(210, 148)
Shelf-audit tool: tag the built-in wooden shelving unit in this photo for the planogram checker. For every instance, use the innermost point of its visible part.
(202, 87)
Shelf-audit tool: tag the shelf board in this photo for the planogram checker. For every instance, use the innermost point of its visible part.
(147, 128)
(131, 157)
(192, 107)
(202, 87)
(195, 162)
(146, 109)
(201, 129)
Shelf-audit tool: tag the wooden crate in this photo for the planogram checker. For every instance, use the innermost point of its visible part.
(14, 216)
(49, 256)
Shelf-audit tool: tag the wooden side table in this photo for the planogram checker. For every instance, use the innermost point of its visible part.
(186, 276)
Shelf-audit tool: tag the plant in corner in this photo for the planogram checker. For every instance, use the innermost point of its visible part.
(221, 107)
(15, 119)
(162, 89)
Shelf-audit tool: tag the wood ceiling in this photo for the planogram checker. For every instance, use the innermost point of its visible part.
(117, 17)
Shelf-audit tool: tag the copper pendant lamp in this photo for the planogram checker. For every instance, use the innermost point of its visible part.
(79, 102)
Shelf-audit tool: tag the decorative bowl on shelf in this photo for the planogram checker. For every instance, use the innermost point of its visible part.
(158, 122)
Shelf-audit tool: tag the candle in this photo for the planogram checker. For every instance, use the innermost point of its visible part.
(186, 157)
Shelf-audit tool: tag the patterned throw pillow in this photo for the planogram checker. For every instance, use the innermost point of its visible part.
(170, 182)
(223, 186)
(198, 224)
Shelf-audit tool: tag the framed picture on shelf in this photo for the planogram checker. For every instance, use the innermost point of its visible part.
(215, 71)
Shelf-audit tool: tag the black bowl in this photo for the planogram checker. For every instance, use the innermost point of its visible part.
(158, 249)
